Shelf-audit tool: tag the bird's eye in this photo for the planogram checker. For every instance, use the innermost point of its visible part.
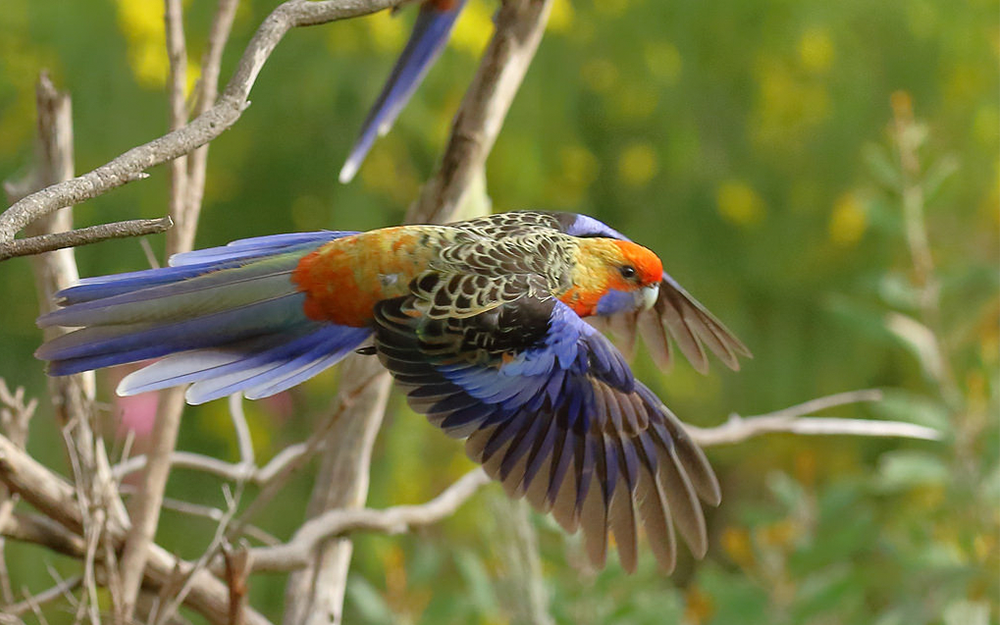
(627, 271)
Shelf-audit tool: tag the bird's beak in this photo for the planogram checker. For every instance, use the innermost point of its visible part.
(648, 296)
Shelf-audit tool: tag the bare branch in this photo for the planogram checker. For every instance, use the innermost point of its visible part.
(233, 503)
(85, 236)
(9, 613)
(300, 550)
(208, 91)
(15, 413)
(215, 514)
(343, 404)
(53, 497)
(243, 439)
(519, 28)
(173, 21)
(238, 568)
(204, 128)
(41, 530)
(793, 420)
(261, 476)
(145, 507)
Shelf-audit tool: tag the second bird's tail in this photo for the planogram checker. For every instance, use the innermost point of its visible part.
(227, 319)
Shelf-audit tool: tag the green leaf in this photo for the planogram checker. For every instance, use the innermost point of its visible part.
(900, 470)
(785, 489)
(898, 291)
(367, 600)
(900, 405)
(881, 166)
(478, 582)
(965, 612)
(936, 176)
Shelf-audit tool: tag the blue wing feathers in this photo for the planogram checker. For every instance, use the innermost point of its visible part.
(566, 408)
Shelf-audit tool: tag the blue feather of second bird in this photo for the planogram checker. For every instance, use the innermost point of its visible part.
(429, 37)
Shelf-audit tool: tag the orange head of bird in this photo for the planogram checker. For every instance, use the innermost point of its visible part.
(613, 276)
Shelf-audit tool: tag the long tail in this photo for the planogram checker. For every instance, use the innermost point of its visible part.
(428, 39)
(228, 319)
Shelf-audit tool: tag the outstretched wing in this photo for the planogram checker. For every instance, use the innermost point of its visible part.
(551, 410)
(676, 313)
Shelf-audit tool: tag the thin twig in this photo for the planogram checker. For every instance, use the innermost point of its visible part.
(145, 510)
(173, 23)
(300, 550)
(232, 505)
(794, 421)
(278, 480)
(85, 236)
(210, 513)
(243, 440)
(238, 569)
(54, 497)
(208, 91)
(8, 612)
(259, 476)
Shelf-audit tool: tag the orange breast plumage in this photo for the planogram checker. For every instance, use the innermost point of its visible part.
(344, 279)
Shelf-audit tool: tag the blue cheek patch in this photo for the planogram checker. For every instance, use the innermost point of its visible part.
(615, 301)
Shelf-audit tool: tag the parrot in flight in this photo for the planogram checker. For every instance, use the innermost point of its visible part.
(481, 322)
(428, 39)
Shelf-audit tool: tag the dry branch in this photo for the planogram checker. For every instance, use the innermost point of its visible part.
(794, 421)
(207, 92)
(10, 612)
(300, 550)
(173, 20)
(31, 246)
(55, 498)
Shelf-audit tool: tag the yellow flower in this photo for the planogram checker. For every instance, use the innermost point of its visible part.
(387, 33)
(611, 7)
(739, 203)
(848, 221)
(579, 166)
(561, 17)
(664, 61)
(637, 164)
(473, 29)
(736, 544)
(141, 22)
(816, 51)
(599, 75)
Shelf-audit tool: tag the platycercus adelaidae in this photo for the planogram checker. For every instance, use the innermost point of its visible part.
(481, 322)
(429, 37)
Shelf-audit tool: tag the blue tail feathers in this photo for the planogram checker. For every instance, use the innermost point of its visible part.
(228, 319)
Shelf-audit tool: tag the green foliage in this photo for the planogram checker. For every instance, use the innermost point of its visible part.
(753, 145)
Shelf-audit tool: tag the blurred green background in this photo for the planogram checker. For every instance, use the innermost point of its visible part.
(748, 143)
